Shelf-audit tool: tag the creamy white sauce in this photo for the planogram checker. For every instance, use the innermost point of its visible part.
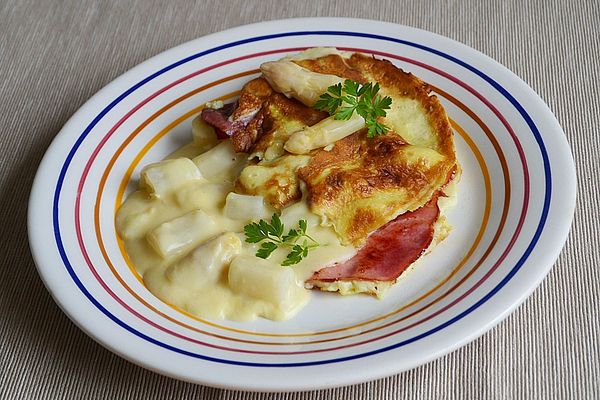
(194, 256)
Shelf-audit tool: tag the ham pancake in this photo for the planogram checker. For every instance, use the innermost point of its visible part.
(379, 194)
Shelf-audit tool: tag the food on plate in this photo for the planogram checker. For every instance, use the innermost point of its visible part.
(331, 171)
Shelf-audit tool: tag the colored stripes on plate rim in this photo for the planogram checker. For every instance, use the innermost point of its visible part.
(167, 129)
(507, 95)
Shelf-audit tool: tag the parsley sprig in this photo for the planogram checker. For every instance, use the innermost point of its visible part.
(342, 102)
(272, 236)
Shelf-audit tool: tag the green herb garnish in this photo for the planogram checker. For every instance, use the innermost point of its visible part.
(362, 98)
(271, 235)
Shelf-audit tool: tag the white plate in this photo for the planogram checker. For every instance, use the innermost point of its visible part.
(515, 205)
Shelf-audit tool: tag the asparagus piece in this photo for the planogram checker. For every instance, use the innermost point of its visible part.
(294, 81)
(323, 133)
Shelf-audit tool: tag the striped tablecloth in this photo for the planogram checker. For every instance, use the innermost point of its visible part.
(54, 55)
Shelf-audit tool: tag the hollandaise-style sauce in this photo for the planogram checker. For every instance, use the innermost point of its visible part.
(183, 230)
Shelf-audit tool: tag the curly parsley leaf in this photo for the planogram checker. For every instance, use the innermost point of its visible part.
(375, 128)
(266, 248)
(335, 90)
(344, 113)
(360, 98)
(302, 224)
(331, 100)
(352, 88)
(254, 233)
(292, 235)
(276, 227)
(295, 256)
(270, 236)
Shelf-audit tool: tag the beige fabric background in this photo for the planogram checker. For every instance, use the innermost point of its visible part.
(55, 55)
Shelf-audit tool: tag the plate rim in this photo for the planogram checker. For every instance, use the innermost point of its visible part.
(130, 74)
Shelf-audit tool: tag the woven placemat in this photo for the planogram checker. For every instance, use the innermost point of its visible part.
(54, 55)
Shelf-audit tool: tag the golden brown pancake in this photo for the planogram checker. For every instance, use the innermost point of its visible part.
(361, 183)
(374, 192)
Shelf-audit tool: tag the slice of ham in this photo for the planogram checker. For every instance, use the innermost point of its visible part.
(388, 251)
(226, 126)
(241, 121)
(219, 119)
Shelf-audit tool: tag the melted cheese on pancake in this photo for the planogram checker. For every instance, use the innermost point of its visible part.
(276, 181)
(283, 117)
(274, 177)
(361, 183)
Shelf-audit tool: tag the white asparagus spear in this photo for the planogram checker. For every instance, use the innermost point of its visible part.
(316, 52)
(294, 81)
(323, 133)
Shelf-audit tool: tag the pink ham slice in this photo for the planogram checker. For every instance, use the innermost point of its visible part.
(219, 118)
(388, 251)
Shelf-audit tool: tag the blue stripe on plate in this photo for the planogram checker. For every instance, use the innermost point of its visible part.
(493, 83)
